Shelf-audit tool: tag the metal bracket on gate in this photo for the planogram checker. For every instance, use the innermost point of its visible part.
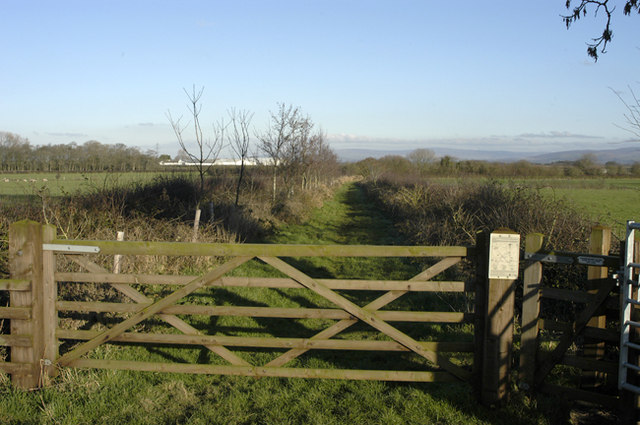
(71, 249)
(548, 258)
(570, 258)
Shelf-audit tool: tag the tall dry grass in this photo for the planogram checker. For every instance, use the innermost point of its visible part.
(160, 210)
(453, 213)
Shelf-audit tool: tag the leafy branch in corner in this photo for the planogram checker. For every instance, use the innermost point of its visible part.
(604, 6)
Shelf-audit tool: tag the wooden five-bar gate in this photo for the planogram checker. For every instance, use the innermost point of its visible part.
(586, 341)
(35, 308)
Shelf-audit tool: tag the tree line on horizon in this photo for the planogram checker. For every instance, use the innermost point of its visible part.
(17, 154)
(424, 163)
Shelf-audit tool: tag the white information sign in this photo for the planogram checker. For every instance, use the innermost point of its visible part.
(504, 256)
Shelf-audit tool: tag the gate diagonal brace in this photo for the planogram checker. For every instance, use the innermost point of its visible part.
(576, 327)
(152, 309)
(376, 304)
(366, 316)
(171, 319)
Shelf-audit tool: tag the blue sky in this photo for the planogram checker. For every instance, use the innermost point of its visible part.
(381, 75)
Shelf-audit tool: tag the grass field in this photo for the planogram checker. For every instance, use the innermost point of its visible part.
(54, 184)
(152, 398)
(606, 201)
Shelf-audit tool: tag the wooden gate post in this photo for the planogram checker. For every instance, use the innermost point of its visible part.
(599, 243)
(502, 257)
(48, 292)
(26, 262)
(530, 312)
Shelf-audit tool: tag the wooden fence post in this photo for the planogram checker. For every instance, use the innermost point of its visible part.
(117, 259)
(48, 316)
(599, 243)
(530, 312)
(27, 261)
(499, 298)
(480, 298)
(196, 225)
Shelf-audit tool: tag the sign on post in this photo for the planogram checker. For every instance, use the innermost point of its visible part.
(504, 256)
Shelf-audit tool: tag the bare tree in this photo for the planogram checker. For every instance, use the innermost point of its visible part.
(308, 156)
(206, 149)
(279, 134)
(297, 154)
(240, 140)
(633, 113)
(422, 157)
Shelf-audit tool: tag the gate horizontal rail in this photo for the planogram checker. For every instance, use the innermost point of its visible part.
(36, 308)
(269, 282)
(272, 250)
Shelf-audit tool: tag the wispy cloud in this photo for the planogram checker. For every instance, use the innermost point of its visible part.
(557, 135)
(526, 142)
(68, 134)
(203, 23)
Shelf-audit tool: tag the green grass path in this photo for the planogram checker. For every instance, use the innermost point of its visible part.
(349, 218)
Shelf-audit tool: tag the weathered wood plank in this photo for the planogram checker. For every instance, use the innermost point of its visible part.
(149, 311)
(174, 321)
(18, 313)
(275, 312)
(600, 244)
(366, 316)
(271, 250)
(15, 341)
(376, 304)
(582, 395)
(47, 316)
(530, 313)
(261, 342)
(376, 375)
(15, 285)
(264, 282)
(612, 302)
(14, 368)
(502, 260)
(436, 269)
(606, 335)
(566, 295)
(567, 339)
(25, 263)
(591, 364)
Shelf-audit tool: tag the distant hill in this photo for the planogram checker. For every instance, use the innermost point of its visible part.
(627, 155)
(350, 155)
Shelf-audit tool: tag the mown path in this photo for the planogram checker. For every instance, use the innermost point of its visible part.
(349, 218)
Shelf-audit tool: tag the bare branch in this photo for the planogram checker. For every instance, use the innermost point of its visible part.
(598, 43)
(240, 140)
(581, 11)
(632, 116)
(206, 150)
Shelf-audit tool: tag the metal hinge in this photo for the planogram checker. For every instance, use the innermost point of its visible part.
(71, 249)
